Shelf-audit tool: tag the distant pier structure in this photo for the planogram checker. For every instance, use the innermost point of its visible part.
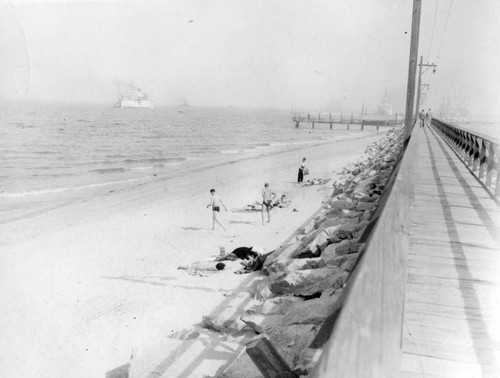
(348, 119)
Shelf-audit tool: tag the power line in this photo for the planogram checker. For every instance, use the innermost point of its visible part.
(432, 34)
(445, 27)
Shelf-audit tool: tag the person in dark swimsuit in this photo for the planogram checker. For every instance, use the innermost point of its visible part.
(302, 169)
(215, 203)
(267, 200)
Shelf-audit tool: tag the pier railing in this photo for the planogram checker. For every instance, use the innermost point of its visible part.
(366, 340)
(479, 152)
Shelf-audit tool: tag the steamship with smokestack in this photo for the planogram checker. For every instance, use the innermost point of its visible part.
(134, 98)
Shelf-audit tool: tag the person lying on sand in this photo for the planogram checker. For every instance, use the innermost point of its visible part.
(316, 181)
(267, 200)
(282, 202)
(215, 203)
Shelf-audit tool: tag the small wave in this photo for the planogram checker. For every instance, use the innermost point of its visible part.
(52, 174)
(108, 170)
(66, 189)
(155, 160)
(142, 168)
(280, 144)
(45, 152)
(115, 156)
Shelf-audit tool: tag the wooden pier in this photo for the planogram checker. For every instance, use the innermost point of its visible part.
(347, 119)
(452, 297)
(424, 299)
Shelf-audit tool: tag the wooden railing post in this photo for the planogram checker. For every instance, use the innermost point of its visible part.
(470, 149)
(475, 154)
(482, 159)
(489, 163)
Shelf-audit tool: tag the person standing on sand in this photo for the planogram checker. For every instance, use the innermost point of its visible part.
(215, 203)
(428, 118)
(302, 170)
(267, 200)
(421, 115)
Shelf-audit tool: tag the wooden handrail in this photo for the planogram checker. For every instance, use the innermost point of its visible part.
(478, 151)
(366, 338)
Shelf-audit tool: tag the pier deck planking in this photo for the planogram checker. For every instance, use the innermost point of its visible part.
(452, 304)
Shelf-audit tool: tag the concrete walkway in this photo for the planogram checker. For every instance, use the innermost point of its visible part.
(452, 308)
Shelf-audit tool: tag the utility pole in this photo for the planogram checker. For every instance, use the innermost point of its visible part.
(420, 85)
(412, 67)
(419, 88)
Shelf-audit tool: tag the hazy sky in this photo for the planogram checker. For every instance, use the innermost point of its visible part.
(311, 54)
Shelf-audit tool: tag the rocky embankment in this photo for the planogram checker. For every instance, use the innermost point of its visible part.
(307, 275)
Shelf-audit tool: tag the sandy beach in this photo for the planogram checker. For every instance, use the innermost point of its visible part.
(87, 284)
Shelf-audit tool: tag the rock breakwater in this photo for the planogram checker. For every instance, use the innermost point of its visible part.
(306, 276)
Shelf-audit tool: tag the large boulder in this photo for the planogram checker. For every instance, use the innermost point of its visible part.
(365, 186)
(279, 305)
(288, 339)
(291, 340)
(346, 246)
(350, 263)
(344, 262)
(329, 253)
(362, 206)
(291, 265)
(351, 214)
(306, 282)
(283, 253)
(313, 311)
(315, 246)
(242, 366)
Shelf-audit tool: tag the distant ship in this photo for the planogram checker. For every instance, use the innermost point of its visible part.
(185, 104)
(385, 108)
(134, 98)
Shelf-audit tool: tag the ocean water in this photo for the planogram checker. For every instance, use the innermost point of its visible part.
(485, 124)
(55, 148)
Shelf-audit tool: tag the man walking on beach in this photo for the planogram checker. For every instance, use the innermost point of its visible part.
(421, 115)
(428, 118)
(302, 170)
(215, 202)
(267, 200)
